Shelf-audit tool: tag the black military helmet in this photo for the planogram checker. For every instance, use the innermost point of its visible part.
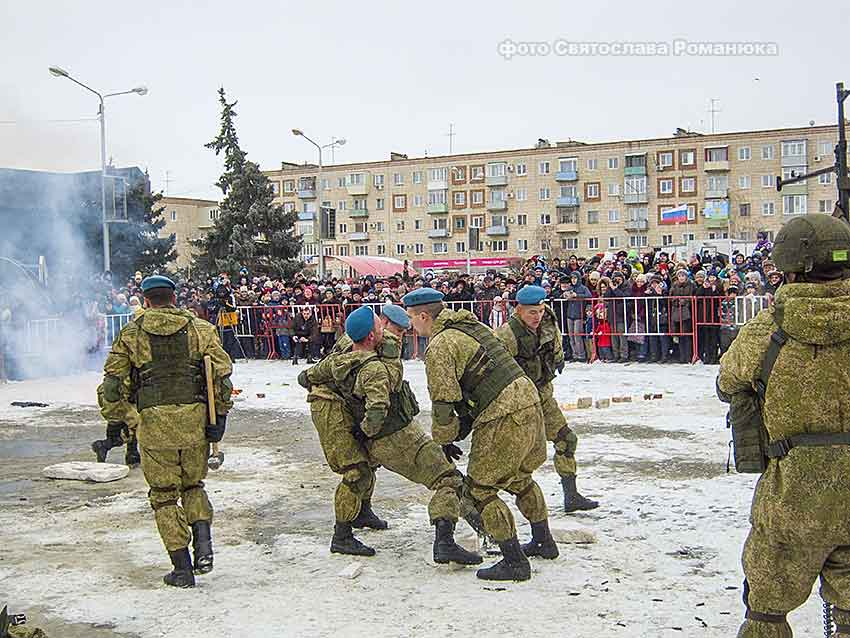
(812, 243)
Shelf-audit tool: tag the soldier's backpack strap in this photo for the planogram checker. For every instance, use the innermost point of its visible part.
(777, 340)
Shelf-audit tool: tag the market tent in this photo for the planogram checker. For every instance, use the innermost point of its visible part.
(380, 266)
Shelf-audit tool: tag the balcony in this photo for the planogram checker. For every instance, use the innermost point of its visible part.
(305, 216)
(358, 189)
(718, 165)
(635, 198)
(566, 176)
(795, 160)
(436, 209)
(716, 193)
(307, 193)
(800, 188)
(569, 201)
(712, 222)
(438, 184)
(358, 212)
(637, 225)
(361, 236)
(496, 180)
(438, 233)
(634, 170)
(496, 231)
(567, 227)
(499, 204)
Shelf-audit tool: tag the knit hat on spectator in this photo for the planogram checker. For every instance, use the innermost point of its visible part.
(700, 274)
(681, 271)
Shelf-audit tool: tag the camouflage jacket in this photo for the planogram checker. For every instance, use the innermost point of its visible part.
(549, 327)
(163, 426)
(806, 494)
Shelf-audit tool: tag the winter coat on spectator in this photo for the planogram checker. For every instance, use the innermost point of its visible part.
(656, 308)
(619, 312)
(680, 309)
(708, 304)
(575, 309)
(308, 328)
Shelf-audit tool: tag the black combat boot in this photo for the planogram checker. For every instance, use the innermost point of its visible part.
(101, 448)
(446, 550)
(294, 361)
(343, 542)
(131, 455)
(542, 544)
(513, 566)
(202, 546)
(181, 575)
(573, 501)
(367, 518)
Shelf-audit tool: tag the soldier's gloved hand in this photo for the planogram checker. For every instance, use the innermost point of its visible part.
(465, 427)
(113, 430)
(215, 431)
(560, 367)
(304, 382)
(452, 452)
(359, 435)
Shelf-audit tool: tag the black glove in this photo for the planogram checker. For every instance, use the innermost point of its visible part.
(560, 367)
(114, 428)
(304, 382)
(465, 427)
(359, 435)
(452, 452)
(215, 431)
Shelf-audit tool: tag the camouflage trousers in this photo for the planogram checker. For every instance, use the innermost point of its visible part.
(177, 493)
(503, 455)
(780, 575)
(561, 435)
(410, 453)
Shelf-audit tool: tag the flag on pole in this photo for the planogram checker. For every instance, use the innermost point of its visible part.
(676, 215)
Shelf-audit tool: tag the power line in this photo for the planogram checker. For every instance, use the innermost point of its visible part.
(15, 122)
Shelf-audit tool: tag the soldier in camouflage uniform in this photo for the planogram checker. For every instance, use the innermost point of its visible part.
(532, 337)
(477, 387)
(157, 359)
(794, 357)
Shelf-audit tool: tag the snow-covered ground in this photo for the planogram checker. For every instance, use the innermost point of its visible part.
(666, 560)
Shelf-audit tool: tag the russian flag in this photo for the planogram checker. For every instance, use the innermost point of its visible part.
(676, 215)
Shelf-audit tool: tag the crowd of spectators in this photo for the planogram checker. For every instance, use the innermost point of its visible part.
(624, 306)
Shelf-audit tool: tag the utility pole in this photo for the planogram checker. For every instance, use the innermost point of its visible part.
(712, 111)
(167, 181)
(451, 134)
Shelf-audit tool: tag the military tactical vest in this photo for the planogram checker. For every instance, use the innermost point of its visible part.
(172, 376)
(490, 370)
(536, 353)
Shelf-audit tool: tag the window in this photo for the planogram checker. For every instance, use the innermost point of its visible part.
(568, 190)
(592, 164)
(380, 227)
(381, 249)
(460, 246)
(591, 190)
(355, 179)
(500, 246)
(665, 160)
(440, 174)
(440, 223)
(289, 207)
(522, 219)
(399, 249)
(688, 185)
(398, 179)
(417, 177)
(613, 163)
(593, 217)
(568, 164)
(497, 169)
(477, 221)
(825, 206)
(343, 228)
(521, 194)
(440, 248)
(568, 216)
(544, 194)
(666, 240)
(795, 148)
(459, 199)
(569, 243)
(522, 245)
(418, 200)
(521, 169)
(792, 171)
(545, 244)
(359, 203)
(825, 148)
(743, 210)
(634, 185)
(768, 181)
(717, 154)
(686, 237)
(497, 195)
(723, 235)
(613, 216)
(419, 249)
(767, 152)
(289, 186)
(767, 208)
(744, 153)
(545, 219)
(665, 187)
(378, 180)
(460, 223)
(399, 225)
(613, 189)
(638, 241)
(794, 205)
(361, 251)
(476, 173)
(717, 183)
(379, 203)
(613, 242)
(458, 174)
(825, 179)
(692, 212)
(174, 215)
(744, 182)
(477, 198)
(593, 243)
(543, 168)
(417, 224)
(399, 203)
(342, 251)
(326, 184)
(340, 205)
(340, 182)
(687, 157)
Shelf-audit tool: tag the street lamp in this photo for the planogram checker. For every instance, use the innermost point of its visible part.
(317, 229)
(139, 90)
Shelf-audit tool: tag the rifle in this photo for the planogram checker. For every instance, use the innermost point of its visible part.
(216, 456)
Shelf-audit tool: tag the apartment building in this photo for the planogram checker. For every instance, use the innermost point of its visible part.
(189, 219)
(562, 198)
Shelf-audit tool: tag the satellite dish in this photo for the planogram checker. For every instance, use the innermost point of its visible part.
(811, 122)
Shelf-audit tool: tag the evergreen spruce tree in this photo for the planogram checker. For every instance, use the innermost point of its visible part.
(251, 231)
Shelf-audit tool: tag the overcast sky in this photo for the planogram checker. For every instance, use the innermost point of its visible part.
(391, 76)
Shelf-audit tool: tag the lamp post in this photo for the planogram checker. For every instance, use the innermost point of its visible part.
(139, 90)
(317, 219)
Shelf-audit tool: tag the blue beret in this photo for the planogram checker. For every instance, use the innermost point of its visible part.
(157, 281)
(530, 295)
(360, 323)
(421, 296)
(397, 315)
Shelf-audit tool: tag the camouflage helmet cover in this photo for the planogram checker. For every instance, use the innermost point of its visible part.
(812, 243)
